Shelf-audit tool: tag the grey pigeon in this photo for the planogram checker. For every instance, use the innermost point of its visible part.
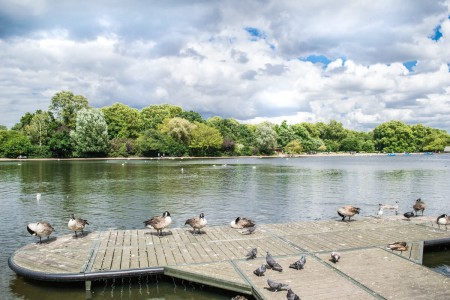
(260, 271)
(239, 297)
(299, 264)
(276, 286)
(272, 263)
(248, 230)
(335, 256)
(252, 254)
(292, 296)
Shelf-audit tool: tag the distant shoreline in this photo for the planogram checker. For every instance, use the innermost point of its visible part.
(331, 154)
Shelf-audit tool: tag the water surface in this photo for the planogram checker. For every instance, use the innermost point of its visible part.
(122, 194)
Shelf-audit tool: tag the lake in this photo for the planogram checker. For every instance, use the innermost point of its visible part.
(122, 193)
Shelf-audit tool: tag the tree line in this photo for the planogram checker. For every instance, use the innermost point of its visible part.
(71, 128)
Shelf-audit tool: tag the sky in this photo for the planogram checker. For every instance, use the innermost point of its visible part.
(361, 63)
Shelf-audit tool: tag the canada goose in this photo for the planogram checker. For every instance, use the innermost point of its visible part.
(398, 246)
(272, 263)
(240, 223)
(348, 211)
(159, 222)
(77, 224)
(291, 295)
(408, 215)
(419, 205)
(443, 220)
(335, 256)
(252, 253)
(276, 286)
(40, 229)
(299, 264)
(384, 207)
(197, 222)
(260, 271)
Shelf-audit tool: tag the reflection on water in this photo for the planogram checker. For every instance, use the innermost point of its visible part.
(123, 193)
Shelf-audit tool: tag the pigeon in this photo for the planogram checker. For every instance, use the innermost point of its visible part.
(260, 271)
(398, 246)
(443, 220)
(248, 230)
(348, 211)
(159, 222)
(77, 224)
(40, 229)
(197, 222)
(335, 256)
(408, 215)
(419, 205)
(276, 286)
(252, 254)
(291, 295)
(238, 297)
(299, 264)
(272, 263)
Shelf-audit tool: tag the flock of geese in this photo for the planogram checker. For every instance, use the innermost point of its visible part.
(159, 223)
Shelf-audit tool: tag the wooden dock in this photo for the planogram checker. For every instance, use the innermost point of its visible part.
(217, 258)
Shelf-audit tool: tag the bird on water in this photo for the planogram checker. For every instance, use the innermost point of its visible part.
(348, 211)
(77, 224)
(40, 229)
(443, 220)
(197, 223)
(419, 205)
(159, 222)
(240, 223)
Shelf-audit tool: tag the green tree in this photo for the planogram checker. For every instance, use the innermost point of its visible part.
(294, 147)
(436, 141)
(265, 137)
(60, 143)
(24, 121)
(13, 143)
(91, 134)
(39, 127)
(420, 134)
(3, 127)
(285, 134)
(191, 116)
(152, 116)
(65, 106)
(122, 120)
(154, 143)
(351, 143)
(394, 136)
(205, 138)
(178, 128)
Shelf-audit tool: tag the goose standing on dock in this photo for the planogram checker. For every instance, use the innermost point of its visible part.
(348, 211)
(40, 229)
(443, 220)
(197, 222)
(77, 224)
(159, 222)
(241, 223)
(419, 205)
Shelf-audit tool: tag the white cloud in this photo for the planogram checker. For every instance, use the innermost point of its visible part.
(209, 63)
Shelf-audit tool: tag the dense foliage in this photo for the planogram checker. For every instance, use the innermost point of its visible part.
(71, 128)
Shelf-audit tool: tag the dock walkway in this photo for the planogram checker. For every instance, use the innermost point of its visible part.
(217, 258)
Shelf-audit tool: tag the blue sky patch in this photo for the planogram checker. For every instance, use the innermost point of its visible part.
(437, 33)
(255, 33)
(410, 64)
(317, 59)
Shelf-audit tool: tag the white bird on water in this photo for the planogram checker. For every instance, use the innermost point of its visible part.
(38, 197)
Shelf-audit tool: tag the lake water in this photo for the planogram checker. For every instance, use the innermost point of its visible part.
(122, 194)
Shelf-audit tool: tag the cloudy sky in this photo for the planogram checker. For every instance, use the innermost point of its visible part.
(361, 63)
